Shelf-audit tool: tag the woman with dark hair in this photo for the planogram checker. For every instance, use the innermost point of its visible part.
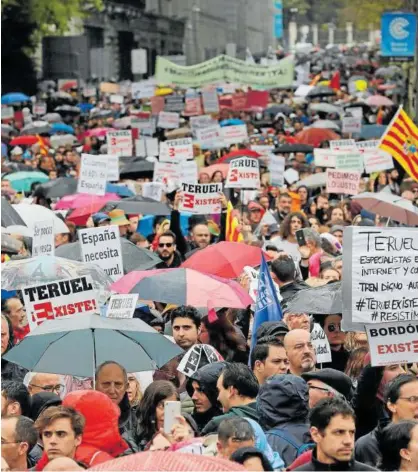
(303, 193)
(217, 177)
(251, 458)
(399, 446)
(287, 234)
(355, 363)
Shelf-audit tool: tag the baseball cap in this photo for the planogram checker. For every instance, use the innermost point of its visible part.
(99, 218)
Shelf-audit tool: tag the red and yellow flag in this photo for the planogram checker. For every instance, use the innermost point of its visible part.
(316, 79)
(43, 147)
(401, 141)
(233, 225)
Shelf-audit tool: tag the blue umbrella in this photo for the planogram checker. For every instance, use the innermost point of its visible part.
(85, 107)
(120, 190)
(231, 122)
(15, 97)
(370, 132)
(62, 128)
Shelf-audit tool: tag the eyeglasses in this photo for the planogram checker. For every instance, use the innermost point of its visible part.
(413, 399)
(319, 388)
(3, 442)
(165, 244)
(333, 327)
(50, 388)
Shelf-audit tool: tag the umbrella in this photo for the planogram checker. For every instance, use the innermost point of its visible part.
(57, 188)
(78, 344)
(133, 257)
(325, 124)
(22, 181)
(184, 287)
(80, 215)
(101, 113)
(137, 168)
(62, 128)
(275, 109)
(238, 153)
(52, 117)
(315, 136)
(287, 148)
(214, 168)
(26, 140)
(19, 229)
(325, 108)
(6, 130)
(60, 94)
(178, 133)
(225, 259)
(97, 132)
(85, 107)
(58, 140)
(324, 300)
(10, 245)
(138, 205)
(357, 105)
(32, 214)
(370, 132)
(320, 91)
(36, 127)
(79, 200)
(124, 122)
(379, 101)
(314, 180)
(15, 97)
(121, 190)
(67, 110)
(9, 216)
(231, 122)
(390, 206)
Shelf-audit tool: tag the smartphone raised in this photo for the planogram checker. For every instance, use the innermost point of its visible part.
(300, 237)
(171, 411)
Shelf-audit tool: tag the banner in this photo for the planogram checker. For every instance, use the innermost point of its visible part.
(201, 199)
(320, 342)
(122, 306)
(342, 145)
(324, 157)
(176, 150)
(393, 343)
(244, 172)
(93, 175)
(345, 182)
(380, 274)
(276, 167)
(210, 101)
(210, 137)
(349, 160)
(225, 69)
(119, 143)
(377, 160)
(234, 134)
(102, 246)
(168, 120)
(60, 298)
(43, 242)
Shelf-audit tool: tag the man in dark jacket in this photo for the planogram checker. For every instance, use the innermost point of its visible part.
(167, 251)
(201, 388)
(333, 431)
(282, 406)
(237, 391)
(9, 370)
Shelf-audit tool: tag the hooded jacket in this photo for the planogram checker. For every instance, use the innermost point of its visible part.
(41, 401)
(9, 370)
(367, 448)
(207, 377)
(244, 411)
(282, 403)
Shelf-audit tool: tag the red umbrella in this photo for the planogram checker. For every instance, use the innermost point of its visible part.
(80, 215)
(98, 132)
(238, 153)
(79, 200)
(315, 136)
(27, 140)
(225, 259)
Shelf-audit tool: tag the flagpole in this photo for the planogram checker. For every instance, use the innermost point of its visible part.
(390, 125)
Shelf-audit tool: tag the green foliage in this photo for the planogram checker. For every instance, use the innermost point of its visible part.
(364, 13)
(302, 5)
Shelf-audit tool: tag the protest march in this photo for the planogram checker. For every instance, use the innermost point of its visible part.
(213, 268)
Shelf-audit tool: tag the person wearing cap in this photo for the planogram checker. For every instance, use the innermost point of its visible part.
(16, 154)
(337, 231)
(255, 213)
(118, 218)
(101, 219)
(327, 383)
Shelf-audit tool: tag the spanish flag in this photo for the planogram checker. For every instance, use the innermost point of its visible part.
(401, 141)
(233, 232)
(43, 147)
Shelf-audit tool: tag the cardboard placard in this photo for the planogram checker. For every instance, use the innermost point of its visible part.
(342, 145)
(176, 150)
(168, 173)
(157, 105)
(210, 101)
(201, 199)
(93, 175)
(244, 172)
(168, 120)
(116, 98)
(39, 108)
(108, 87)
(140, 90)
(324, 157)
(368, 145)
(153, 190)
(43, 242)
(234, 134)
(112, 168)
(277, 166)
(349, 160)
(119, 143)
(376, 160)
(122, 306)
(320, 342)
(346, 182)
(188, 171)
(351, 124)
(174, 103)
(193, 107)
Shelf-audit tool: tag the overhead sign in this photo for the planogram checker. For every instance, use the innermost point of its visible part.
(119, 143)
(244, 172)
(377, 160)
(122, 306)
(321, 344)
(345, 182)
(102, 246)
(168, 120)
(43, 242)
(93, 175)
(234, 134)
(139, 61)
(201, 199)
(210, 137)
(380, 275)
(398, 35)
(352, 160)
(60, 298)
(176, 150)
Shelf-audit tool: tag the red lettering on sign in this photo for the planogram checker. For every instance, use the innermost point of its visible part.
(234, 175)
(43, 312)
(188, 200)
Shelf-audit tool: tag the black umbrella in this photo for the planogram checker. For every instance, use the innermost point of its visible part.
(68, 110)
(57, 188)
(321, 91)
(325, 300)
(286, 148)
(133, 257)
(138, 205)
(274, 109)
(357, 105)
(101, 114)
(9, 216)
(137, 168)
(37, 127)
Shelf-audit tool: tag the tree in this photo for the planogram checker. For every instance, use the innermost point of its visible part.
(364, 13)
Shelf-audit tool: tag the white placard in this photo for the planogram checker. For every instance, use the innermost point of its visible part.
(112, 168)
(234, 134)
(324, 157)
(102, 246)
(93, 175)
(89, 92)
(276, 166)
(243, 172)
(39, 108)
(140, 149)
(153, 190)
(380, 274)
(393, 343)
(176, 150)
(210, 137)
(146, 126)
(376, 160)
(320, 342)
(117, 99)
(168, 173)
(346, 182)
(122, 306)
(355, 111)
(43, 242)
(264, 149)
(7, 113)
(201, 121)
(60, 298)
(342, 144)
(151, 145)
(210, 101)
(291, 175)
(352, 160)
(168, 120)
(201, 199)
(189, 171)
(351, 124)
(143, 89)
(119, 143)
(368, 145)
(139, 59)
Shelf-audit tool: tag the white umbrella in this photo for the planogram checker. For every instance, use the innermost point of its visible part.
(325, 108)
(19, 229)
(390, 206)
(314, 180)
(325, 124)
(32, 214)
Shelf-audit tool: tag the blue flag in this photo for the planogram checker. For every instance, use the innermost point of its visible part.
(267, 305)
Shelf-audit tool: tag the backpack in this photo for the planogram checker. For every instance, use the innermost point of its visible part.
(290, 439)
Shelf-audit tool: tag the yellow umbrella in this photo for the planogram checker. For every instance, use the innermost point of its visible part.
(361, 85)
(324, 82)
(163, 91)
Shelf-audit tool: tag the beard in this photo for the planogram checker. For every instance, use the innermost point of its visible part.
(165, 256)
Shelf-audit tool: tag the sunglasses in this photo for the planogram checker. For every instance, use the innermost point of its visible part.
(333, 327)
(165, 244)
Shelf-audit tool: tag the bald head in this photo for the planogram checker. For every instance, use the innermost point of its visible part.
(62, 463)
(300, 351)
(41, 382)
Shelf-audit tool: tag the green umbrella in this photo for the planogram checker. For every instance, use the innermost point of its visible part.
(22, 181)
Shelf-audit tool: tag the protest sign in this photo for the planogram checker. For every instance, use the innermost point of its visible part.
(239, 101)
(119, 143)
(210, 137)
(60, 298)
(210, 101)
(196, 357)
(151, 146)
(355, 111)
(157, 105)
(345, 182)
(116, 98)
(39, 108)
(264, 149)
(112, 167)
(380, 275)
(168, 120)
(122, 306)
(67, 84)
(89, 92)
(176, 150)
(174, 103)
(201, 199)
(102, 246)
(167, 173)
(234, 134)
(193, 106)
(93, 175)
(291, 175)
(109, 87)
(153, 190)
(352, 160)
(324, 157)
(243, 172)
(143, 89)
(393, 343)
(320, 342)
(276, 166)
(202, 121)
(352, 124)
(376, 160)
(342, 145)
(143, 126)
(7, 113)
(140, 149)
(257, 98)
(43, 242)
(188, 171)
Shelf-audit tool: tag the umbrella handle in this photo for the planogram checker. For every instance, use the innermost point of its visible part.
(387, 222)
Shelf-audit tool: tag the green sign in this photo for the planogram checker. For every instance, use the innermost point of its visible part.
(350, 161)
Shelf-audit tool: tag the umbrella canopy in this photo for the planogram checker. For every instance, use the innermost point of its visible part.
(6, 130)
(137, 168)
(286, 148)
(325, 108)
(231, 122)
(10, 245)
(98, 132)
(225, 259)
(58, 140)
(22, 181)
(101, 113)
(32, 214)
(325, 124)
(52, 117)
(119, 189)
(139, 205)
(122, 123)
(57, 188)
(314, 180)
(325, 300)
(390, 206)
(315, 136)
(238, 153)
(78, 344)
(80, 200)
(275, 109)
(36, 127)
(62, 128)
(321, 91)
(80, 216)
(16, 97)
(67, 110)
(9, 216)
(26, 140)
(184, 287)
(19, 229)
(379, 101)
(62, 95)
(133, 257)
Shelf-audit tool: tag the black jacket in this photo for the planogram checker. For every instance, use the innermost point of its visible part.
(367, 447)
(338, 360)
(177, 261)
(9, 370)
(127, 420)
(314, 464)
(287, 291)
